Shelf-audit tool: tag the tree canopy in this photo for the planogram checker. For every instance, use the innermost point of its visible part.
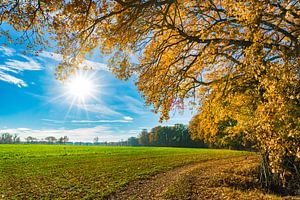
(7, 138)
(170, 136)
(234, 60)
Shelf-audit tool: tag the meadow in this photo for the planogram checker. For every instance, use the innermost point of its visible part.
(89, 172)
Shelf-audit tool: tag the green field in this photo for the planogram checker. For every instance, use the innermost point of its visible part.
(61, 171)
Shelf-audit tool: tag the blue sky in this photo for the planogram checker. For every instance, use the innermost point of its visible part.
(34, 103)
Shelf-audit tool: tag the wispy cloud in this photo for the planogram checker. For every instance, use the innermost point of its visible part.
(23, 129)
(102, 121)
(104, 133)
(94, 65)
(7, 69)
(53, 121)
(125, 119)
(51, 55)
(7, 51)
(134, 105)
(11, 79)
(99, 108)
(128, 118)
(15, 63)
(22, 65)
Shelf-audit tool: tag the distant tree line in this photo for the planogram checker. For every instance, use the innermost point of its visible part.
(48, 140)
(174, 136)
(179, 136)
(7, 138)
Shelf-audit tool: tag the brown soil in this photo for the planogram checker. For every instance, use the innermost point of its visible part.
(230, 178)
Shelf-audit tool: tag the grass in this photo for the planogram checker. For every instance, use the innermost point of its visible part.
(61, 171)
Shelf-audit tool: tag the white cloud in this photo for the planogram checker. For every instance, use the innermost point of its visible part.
(134, 105)
(99, 108)
(145, 127)
(53, 121)
(11, 79)
(128, 118)
(94, 65)
(53, 56)
(134, 132)
(4, 68)
(7, 51)
(23, 129)
(104, 133)
(22, 65)
(10, 67)
(13, 66)
(124, 120)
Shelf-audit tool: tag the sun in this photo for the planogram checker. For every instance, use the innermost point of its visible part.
(80, 87)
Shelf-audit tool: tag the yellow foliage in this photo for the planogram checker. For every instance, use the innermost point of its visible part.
(237, 59)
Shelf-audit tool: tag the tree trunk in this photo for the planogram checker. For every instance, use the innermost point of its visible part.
(282, 183)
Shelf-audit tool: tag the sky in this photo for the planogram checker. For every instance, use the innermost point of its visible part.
(34, 103)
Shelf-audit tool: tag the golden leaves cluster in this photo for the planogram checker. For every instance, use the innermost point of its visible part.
(236, 59)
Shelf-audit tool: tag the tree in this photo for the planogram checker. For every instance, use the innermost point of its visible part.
(62, 140)
(221, 139)
(30, 139)
(159, 135)
(236, 59)
(133, 141)
(144, 137)
(51, 139)
(65, 139)
(96, 140)
(177, 135)
(8, 138)
(16, 139)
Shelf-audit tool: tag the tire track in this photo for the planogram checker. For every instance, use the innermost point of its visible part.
(194, 180)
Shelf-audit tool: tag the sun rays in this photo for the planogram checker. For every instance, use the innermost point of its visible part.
(81, 88)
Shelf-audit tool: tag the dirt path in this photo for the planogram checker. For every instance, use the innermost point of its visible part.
(216, 179)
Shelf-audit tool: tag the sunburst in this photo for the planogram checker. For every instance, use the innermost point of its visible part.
(80, 88)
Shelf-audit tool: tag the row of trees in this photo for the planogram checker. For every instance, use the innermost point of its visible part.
(179, 135)
(7, 138)
(176, 136)
(49, 139)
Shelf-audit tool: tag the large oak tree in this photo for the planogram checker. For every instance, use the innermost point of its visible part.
(233, 59)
